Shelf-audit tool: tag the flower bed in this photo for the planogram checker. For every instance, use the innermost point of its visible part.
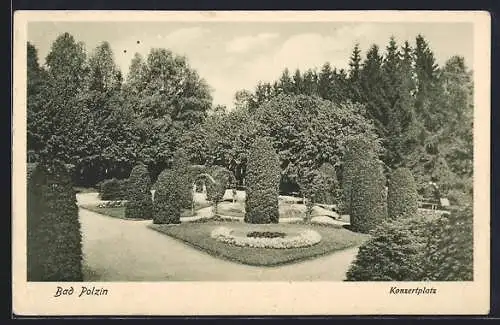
(112, 204)
(305, 238)
(266, 234)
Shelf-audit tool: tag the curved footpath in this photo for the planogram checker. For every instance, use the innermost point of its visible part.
(122, 250)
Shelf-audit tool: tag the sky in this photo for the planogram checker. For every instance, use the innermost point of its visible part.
(232, 56)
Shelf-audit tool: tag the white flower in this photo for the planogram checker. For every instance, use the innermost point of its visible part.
(304, 239)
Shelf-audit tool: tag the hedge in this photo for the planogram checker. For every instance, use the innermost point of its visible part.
(262, 181)
(140, 204)
(368, 198)
(113, 189)
(402, 196)
(54, 249)
(167, 205)
(357, 148)
(418, 249)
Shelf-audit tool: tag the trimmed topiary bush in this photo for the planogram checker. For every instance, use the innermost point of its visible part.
(262, 181)
(140, 204)
(181, 165)
(113, 189)
(54, 249)
(402, 196)
(368, 198)
(394, 253)
(357, 148)
(167, 206)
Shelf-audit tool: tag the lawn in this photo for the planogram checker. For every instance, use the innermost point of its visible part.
(119, 212)
(198, 236)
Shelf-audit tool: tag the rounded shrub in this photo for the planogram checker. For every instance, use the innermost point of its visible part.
(113, 189)
(357, 148)
(368, 198)
(402, 196)
(167, 206)
(140, 204)
(54, 249)
(262, 182)
(394, 253)
(418, 249)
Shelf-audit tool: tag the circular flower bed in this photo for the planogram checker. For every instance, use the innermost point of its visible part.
(303, 239)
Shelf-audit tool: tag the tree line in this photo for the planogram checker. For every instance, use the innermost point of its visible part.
(414, 113)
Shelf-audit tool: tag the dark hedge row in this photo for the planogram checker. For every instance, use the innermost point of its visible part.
(262, 181)
(140, 204)
(54, 249)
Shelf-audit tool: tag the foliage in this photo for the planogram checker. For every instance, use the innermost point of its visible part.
(263, 176)
(394, 253)
(356, 149)
(368, 197)
(54, 249)
(416, 249)
(173, 190)
(308, 131)
(450, 247)
(139, 201)
(318, 186)
(167, 205)
(215, 190)
(113, 189)
(402, 196)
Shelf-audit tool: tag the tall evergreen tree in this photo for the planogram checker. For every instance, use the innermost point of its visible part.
(297, 83)
(355, 63)
(285, 82)
(372, 84)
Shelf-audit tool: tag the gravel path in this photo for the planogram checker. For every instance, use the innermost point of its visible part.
(123, 250)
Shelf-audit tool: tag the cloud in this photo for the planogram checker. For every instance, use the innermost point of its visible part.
(300, 51)
(245, 43)
(184, 36)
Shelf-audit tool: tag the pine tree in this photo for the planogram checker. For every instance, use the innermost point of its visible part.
(325, 81)
(285, 82)
(297, 83)
(355, 63)
(372, 84)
